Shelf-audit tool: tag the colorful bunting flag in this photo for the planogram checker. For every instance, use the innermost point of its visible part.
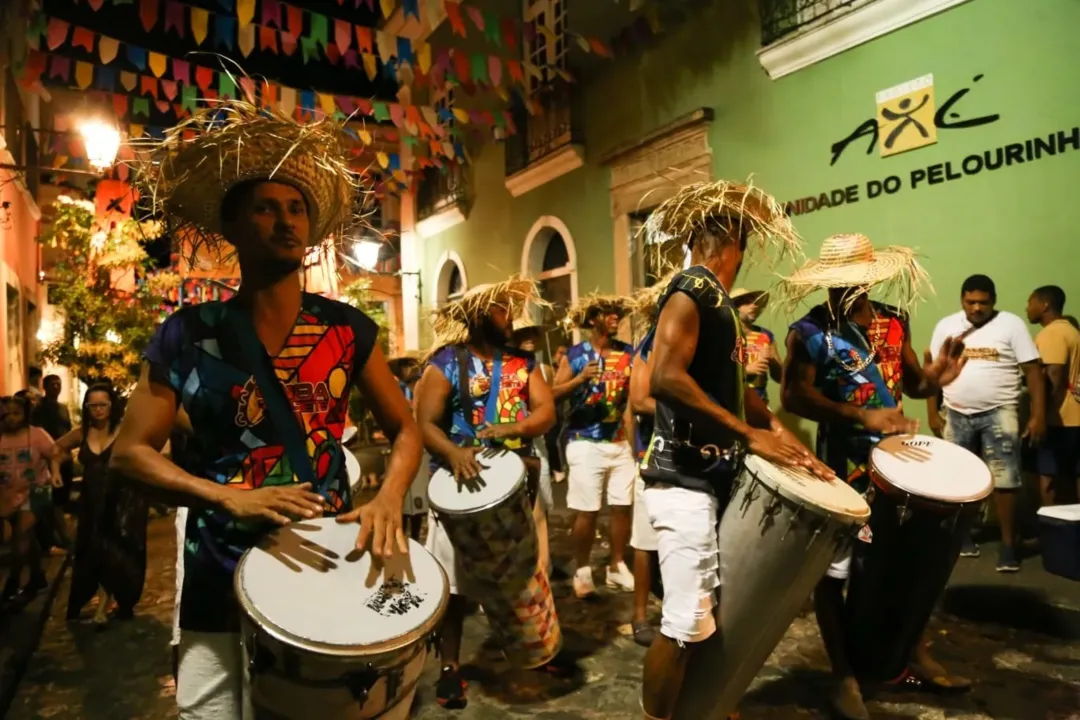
(245, 12)
(83, 38)
(268, 39)
(246, 39)
(158, 64)
(271, 14)
(57, 33)
(199, 21)
(148, 14)
(174, 17)
(107, 49)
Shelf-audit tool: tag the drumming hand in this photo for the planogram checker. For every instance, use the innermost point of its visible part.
(279, 504)
(464, 464)
(380, 525)
(778, 449)
(950, 361)
(817, 468)
(499, 431)
(889, 421)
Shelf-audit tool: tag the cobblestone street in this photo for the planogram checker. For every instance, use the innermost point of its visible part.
(124, 672)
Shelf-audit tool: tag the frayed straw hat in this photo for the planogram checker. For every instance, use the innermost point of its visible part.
(531, 316)
(851, 261)
(580, 313)
(234, 142)
(452, 322)
(742, 296)
(644, 303)
(689, 212)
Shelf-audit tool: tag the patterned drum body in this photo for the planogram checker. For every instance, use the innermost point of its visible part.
(777, 537)
(328, 635)
(494, 535)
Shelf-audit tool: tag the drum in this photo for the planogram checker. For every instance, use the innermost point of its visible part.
(348, 434)
(778, 535)
(494, 536)
(925, 495)
(353, 472)
(329, 634)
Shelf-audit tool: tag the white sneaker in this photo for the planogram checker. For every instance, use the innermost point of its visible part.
(620, 578)
(583, 583)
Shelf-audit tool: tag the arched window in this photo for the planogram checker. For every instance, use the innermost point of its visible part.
(451, 280)
(550, 258)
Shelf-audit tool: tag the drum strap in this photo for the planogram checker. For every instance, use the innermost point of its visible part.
(491, 410)
(277, 404)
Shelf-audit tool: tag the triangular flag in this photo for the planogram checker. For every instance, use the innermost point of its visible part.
(140, 106)
(148, 86)
(247, 88)
(462, 116)
(60, 67)
(365, 136)
(204, 76)
(380, 111)
(461, 63)
(271, 13)
(370, 65)
(343, 34)
(479, 69)
(95, 5)
(383, 159)
(174, 17)
(199, 20)
(288, 43)
(333, 54)
(320, 29)
(168, 88)
(83, 38)
(181, 71)
(296, 20)
(599, 47)
(515, 70)
(163, 106)
(410, 7)
(246, 39)
(509, 28)
(224, 31)
(267, 39)
(188, 98)
(307, 100)
(495, 69)
(158, 64)
(457, 23)
(57, 33)
(491, 30)
(120, 104)
(477, 16)
(385, 43)
(387, 7)
(326, 102)
(404, 50)
(288, 101)
(352, 60)
(136, 56)
(309, 48)
(245, 12)
(363, 39)
(226, 86)
(107, 48)
(148, 11)
(129, 81)
(583, 43)
(423, 57)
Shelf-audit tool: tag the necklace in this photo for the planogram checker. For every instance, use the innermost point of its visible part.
(861, 364)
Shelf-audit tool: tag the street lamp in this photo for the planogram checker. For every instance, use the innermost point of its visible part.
(365, 253)
(102, 142)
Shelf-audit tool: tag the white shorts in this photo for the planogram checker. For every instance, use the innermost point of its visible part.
(687, 530)
(593, 465)
(840, 568)
(547, 498)
(438, 544)
(211, 681)
(642, 536)
(181, 532)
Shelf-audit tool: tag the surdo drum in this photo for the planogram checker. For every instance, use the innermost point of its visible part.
(777, 537)
(327, 633)
(925, 495)
(491, 526)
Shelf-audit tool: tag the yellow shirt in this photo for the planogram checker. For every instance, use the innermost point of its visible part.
(1059, 344)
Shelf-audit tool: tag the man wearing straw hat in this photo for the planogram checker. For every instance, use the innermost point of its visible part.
(849, 361)
(472, 351)
(595, 375)
(763, 360)
(706, 417)
(264, 378)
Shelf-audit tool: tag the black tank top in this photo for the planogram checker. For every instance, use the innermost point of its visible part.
(680, 453)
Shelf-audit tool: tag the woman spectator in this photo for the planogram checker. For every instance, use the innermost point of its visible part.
(25, 492)
(110, 545)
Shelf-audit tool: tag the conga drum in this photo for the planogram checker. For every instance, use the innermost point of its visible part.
(326, 632)
(777, 537)
(492, 530)
(925, 495)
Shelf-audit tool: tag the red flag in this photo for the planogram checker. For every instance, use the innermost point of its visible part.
(461, 62)
(204, 77)
(333, 54)
(364, 39)
(509, 32)
(148, 86)
(168, 87)
(83, 38)
(56, 33)
(267, 39)
(296, 20)
(457, 23)
(148, 13)
(342, 34)
(288, 43)
(120, 105)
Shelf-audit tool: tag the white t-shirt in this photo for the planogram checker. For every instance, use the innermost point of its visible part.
(995, 351)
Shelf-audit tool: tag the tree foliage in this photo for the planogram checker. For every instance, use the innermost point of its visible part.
(109, 301)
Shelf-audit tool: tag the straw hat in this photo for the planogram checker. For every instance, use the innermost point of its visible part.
(644, 302)
(742, 296)
(453, 321)
(582, 312)
(851, 261)
(690, 210)
(531, 316)
(235, 142)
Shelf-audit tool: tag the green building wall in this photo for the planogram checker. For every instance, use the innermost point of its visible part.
(1020, 224)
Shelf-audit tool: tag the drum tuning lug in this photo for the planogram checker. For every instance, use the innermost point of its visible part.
(361, 682)
(794, 521)
(259, 660)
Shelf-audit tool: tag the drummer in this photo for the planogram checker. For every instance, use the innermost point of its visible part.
(244, 179)
(706, 415)
(849, 361)
(407, 369)
(473, 333)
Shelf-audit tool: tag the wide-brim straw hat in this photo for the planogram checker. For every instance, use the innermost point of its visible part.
(851, 261)
(644, 303)
(743, 296)
(531, 317)
(690, 211)
(582, 312)
(452, 322)
(190, 172)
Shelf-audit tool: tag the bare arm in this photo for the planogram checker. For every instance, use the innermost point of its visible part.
(1059, 384)
(799, 395)
(541, 416)
(776, 366)
(669, 379)
(62, 449)
(641, 401)
(1036, 385)
(392, 412)
(917, 384)
(758, 413)
(565, 380)
(431, 398)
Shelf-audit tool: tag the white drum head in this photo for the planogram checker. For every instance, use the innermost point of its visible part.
(348, 434)
(503, 474)
(836, 497)
(352, 468)
(932, 468)
(306, 585)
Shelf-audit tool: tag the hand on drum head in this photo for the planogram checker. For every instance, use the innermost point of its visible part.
(467, 468)
(907, 453)
(380, 525)
(781, 448)
(280, 504)
(889, 421)
(293, 550)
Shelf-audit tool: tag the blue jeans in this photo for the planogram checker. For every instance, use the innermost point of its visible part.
(994, 436)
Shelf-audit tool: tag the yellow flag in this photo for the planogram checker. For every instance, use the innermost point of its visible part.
(107, 48)
(245, 12)
(199, 18)
(326, 102)
(461, 115)
(383, 159)
(130, 81)
(365, 136)
(135, 131)
(371, 66)
(245, 38)
(423, 57)
(158, 63)
(84, 74)
(387, 10)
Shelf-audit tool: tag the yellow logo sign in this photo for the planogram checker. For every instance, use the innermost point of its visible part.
(905, 116)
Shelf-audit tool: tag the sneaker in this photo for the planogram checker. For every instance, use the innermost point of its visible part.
(969, 549)
(583, 583)
(620, 578)
(643, 633)
(1008, 560)
(450, 690)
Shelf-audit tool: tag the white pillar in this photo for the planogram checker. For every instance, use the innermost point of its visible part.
(410, 263)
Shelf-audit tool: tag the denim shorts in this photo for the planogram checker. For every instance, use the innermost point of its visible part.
(994, 436)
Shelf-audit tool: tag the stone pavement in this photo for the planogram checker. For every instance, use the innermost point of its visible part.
(124, 672)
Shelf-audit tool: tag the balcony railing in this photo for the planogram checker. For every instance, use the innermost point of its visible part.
(780, 18)
(556, 125)
(440, 189)
(19, 136)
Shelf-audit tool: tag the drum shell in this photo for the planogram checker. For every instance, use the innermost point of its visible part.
(898, 577)
(773, 552)
(525, 623)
